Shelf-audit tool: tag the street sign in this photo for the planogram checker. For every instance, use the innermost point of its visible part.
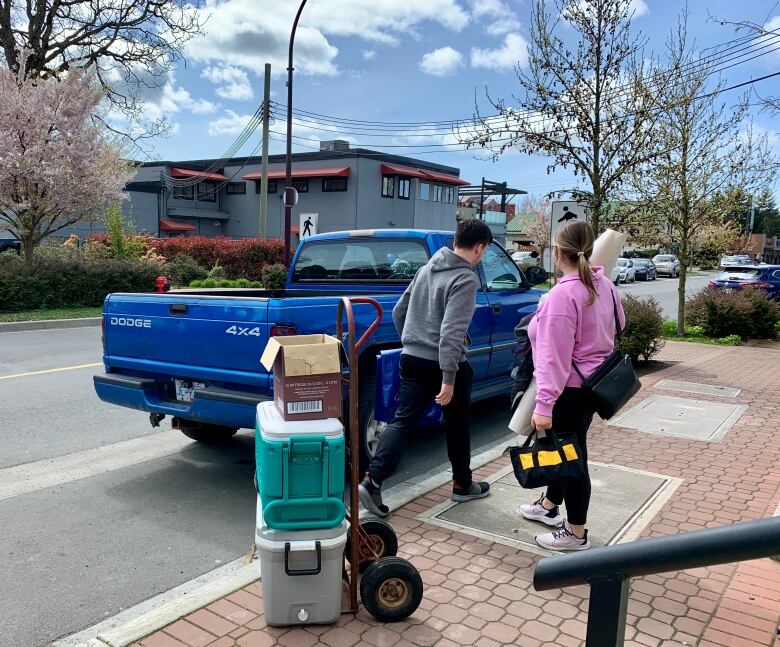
(308, 225)
(563, 211)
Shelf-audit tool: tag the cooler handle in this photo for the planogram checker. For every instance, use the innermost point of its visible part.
(302, 571)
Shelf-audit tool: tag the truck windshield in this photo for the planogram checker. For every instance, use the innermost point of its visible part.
(354, 260)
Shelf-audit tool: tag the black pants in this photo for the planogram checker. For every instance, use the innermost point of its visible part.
(420, 384)
(572, 414)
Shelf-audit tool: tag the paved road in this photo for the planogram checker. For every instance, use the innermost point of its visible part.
(664, 289)
(99, 512)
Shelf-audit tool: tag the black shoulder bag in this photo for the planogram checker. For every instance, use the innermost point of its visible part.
(613, 383)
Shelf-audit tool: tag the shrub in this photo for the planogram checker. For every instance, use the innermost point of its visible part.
(241, 259)
(183, 270)
(197, 283)
(208, 283)
(644, 328)
(57, 283)
(225, 283)
(217, 272)
(242, 283)
(746, 313)
(274, 276)
(729, 340)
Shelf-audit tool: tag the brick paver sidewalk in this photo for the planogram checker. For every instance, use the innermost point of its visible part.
(480, 593)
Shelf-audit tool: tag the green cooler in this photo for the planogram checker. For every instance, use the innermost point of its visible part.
(300, 470)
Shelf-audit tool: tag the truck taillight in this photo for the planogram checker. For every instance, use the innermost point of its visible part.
(283, 331)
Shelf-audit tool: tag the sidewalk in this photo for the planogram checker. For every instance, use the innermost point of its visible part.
(478, 587)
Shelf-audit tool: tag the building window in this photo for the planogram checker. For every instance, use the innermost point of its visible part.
(388, 184)
(235, 188)
(437, 192)
(207, 192)
(425, 191)
(449, 194)
(404, 188)
(334, 184)
(272, 188)
(183, 192)
(301, 186)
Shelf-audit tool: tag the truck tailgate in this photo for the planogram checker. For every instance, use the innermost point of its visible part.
(201, 337)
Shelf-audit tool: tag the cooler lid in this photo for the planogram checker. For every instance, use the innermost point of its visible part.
(301, 540)
(274, 427)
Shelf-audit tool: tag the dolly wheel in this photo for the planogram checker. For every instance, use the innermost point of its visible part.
(377, 540)
(391, 589)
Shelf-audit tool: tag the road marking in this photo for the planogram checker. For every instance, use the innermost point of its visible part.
(31, 477)
(51, 370)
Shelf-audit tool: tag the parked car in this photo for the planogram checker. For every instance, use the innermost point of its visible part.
(644, 269)
(667, 264)
(626, 270)
(740, 259)
(10, 243)
(741, 277)
(524, 260)
(195, 354)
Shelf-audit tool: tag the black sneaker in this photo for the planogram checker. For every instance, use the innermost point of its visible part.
(473, 491)
(371, 498)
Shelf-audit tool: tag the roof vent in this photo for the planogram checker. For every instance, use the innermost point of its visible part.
(334, 145)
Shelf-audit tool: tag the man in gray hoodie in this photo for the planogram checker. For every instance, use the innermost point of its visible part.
(433, 317)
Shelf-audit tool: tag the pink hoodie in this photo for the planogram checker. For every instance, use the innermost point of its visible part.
(566, 328)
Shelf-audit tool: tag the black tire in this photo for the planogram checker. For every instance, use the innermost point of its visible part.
(206, 433)
(391, 589)
(367, 434)
(383, 542)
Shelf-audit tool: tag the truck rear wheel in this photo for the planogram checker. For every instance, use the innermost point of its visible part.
(369, 429)
(206, 433)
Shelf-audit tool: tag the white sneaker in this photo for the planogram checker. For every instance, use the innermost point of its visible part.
(537, 512)
(563, 539)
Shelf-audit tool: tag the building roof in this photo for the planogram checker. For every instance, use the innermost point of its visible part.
(518, 224)
(185, 172)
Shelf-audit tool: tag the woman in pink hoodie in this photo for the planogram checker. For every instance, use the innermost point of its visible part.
(575, 324)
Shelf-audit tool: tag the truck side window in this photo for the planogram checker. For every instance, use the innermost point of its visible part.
(354, 260)
(501, 273)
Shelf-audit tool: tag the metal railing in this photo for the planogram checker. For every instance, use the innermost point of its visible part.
(608, 569)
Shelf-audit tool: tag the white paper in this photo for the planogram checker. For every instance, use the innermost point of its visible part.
(607, 248)
(521, 420)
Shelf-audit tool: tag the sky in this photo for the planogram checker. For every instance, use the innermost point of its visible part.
(400, 61)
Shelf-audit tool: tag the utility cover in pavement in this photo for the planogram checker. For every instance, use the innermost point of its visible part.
(693, 419)
(695, 387)
(623, 501)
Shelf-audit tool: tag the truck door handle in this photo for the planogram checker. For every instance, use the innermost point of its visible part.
(178, 309)
(496, 307)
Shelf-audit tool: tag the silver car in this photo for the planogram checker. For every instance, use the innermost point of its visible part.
(667, 264)
(627, 273)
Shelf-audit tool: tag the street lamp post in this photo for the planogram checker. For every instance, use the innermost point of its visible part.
(288, 161)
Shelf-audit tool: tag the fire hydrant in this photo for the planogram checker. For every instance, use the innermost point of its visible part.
(162, 284)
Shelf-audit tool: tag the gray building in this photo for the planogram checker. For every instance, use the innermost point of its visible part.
(347, 188)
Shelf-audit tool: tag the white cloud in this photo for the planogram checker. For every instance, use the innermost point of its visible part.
(170, 99)
(233, 82)
(250, 33)
(203, 107)
(369, 54)
(441, 62)
(639, 7)
(513, 52)
(231, 124)
(502, 19)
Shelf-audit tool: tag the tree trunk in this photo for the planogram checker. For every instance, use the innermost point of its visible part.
(28, 247)
(681, 284)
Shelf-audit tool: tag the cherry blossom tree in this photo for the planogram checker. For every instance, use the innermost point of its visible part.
(56, 165)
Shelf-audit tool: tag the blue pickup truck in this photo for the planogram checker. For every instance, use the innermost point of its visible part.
(195, 354)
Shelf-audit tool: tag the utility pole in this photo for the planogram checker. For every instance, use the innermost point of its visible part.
(264, 164)
(288, 194)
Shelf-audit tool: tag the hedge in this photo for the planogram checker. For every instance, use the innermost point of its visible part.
(62, 283)
(748, 313)
(642, 336)
(242, 258)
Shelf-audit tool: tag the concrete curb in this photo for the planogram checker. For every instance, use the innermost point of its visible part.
(146, 618)
(49, 324)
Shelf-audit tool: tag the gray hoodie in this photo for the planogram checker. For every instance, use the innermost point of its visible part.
(434, 313)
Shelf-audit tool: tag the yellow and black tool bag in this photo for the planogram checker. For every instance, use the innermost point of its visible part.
(541, 461)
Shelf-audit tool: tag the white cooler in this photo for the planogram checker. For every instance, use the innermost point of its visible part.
(301, 574)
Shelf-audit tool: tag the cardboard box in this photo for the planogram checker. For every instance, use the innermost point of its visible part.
(307, 375)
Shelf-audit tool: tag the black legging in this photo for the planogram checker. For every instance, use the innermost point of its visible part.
(572, 414)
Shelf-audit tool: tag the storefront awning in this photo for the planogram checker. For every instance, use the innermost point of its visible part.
(185, 172)
(408, 171)
(171, 225)
(334, 171)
